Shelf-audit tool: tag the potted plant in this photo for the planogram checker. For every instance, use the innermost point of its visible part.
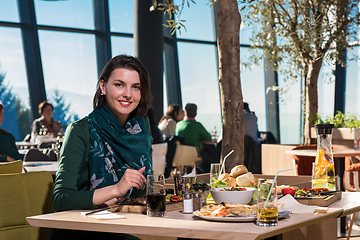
(346, 130)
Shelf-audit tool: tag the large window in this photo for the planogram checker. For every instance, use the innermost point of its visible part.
(352, 101)
(14, 92)
(199, 83)
(122, 45)
(290, 100)
(75, 14)
(199, 21)
(9, 11)
(253, 89)
(121, 16)
(69, 66)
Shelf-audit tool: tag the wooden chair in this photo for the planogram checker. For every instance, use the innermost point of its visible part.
(185, 156)
(23, 195)
(351, 183)
(11, 167)
(303, 164)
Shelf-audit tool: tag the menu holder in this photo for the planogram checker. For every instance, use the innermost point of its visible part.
(319, 200)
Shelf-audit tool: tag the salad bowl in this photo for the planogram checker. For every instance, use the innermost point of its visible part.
(236, 195)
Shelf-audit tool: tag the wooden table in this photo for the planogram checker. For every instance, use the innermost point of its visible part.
(340, 155)
(176, 224)
(37, 166)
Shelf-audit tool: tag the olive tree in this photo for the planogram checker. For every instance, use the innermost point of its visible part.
(308, 33)
(229, 73)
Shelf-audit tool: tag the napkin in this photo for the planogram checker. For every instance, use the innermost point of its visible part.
(192, 174)
(104, 215)
(295, 207)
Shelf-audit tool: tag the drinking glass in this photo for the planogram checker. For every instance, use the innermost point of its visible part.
(155, 196)
(319, 178)
(215, 171)
(267, 205)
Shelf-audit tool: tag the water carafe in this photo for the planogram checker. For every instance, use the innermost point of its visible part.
(324, 169)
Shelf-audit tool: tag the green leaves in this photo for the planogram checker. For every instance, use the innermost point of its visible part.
(340, 120)
(175, 23)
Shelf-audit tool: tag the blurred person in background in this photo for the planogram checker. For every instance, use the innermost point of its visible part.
(45, 123)
(8, 150)
(194, 133)
(167, 123)
(250, 124)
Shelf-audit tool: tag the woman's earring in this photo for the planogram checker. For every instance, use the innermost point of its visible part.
(102, 94)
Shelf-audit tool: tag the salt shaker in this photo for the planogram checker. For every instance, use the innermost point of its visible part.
(187, 203)
(197, 201)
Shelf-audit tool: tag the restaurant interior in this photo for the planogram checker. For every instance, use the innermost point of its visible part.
(55, 50)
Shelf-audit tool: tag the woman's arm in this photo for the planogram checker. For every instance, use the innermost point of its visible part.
(131, 178)
(72, 185)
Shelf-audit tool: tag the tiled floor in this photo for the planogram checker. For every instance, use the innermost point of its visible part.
(355, 233)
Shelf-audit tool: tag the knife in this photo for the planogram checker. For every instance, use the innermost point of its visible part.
(112, 206)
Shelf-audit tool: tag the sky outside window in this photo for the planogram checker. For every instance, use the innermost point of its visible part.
(9, 11)
(69, 65)
(199, 85)
(199, 23)
(121, 16)
(75, 14)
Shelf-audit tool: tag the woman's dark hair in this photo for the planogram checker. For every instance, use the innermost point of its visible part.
(43, 105)
(129, 63)
(1, 106)
(172, 109)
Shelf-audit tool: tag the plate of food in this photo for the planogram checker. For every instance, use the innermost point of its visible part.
(232, 213)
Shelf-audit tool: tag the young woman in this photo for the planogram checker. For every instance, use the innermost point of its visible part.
(108, 153)
(167, 123)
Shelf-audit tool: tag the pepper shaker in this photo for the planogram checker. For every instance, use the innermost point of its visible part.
(197, 201)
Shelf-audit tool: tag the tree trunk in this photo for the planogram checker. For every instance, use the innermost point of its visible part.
(311, 101)
(229, 82)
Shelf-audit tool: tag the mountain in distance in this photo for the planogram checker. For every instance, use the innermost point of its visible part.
(80, 104)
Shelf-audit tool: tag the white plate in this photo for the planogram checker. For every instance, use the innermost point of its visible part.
(251, 218)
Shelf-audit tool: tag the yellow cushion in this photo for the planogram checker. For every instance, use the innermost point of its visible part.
(23, 195)
(11, 167)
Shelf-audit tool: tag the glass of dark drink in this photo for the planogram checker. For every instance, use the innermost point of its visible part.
(155, 196)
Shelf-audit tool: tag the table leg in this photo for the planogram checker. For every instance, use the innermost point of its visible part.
(340, 167)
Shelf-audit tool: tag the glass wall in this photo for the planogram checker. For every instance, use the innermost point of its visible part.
(199, 83)
(198, 21)
(352, 101)
(9, 11)
(121, 16)
(74, 14)
(69, 66)
(253, 88)
(14, 92)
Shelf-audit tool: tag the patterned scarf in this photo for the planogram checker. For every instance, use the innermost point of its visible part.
(113, 149)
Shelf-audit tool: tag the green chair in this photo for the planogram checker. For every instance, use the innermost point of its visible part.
(11, 167)
(23, 195)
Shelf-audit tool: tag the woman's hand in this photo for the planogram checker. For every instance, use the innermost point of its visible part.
(131, 178)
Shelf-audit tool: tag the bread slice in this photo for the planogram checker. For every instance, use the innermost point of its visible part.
(230, 181)
(245, 180)
(238, 170)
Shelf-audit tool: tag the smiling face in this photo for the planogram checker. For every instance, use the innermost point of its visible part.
(122, 92)
(1, 116)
